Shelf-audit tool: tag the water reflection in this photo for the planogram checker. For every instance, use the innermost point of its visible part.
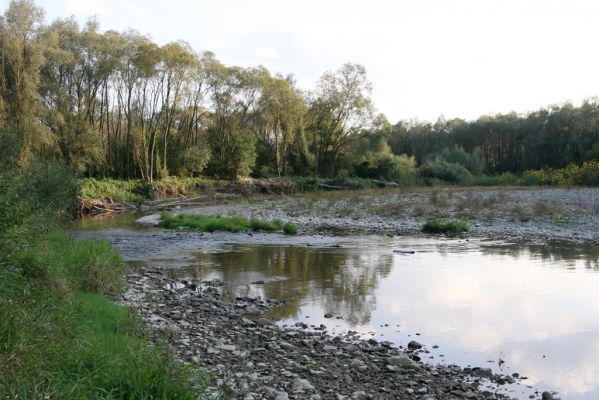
(340, 280)
(535, 307)
(564, 254)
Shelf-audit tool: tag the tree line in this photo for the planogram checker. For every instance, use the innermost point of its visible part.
(113, 104)
(552, 137)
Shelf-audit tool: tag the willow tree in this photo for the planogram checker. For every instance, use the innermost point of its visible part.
(234, 93)
(340, 109)
(21, 57)
(281, 112)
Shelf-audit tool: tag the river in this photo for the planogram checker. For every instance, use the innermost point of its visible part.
(513, 307)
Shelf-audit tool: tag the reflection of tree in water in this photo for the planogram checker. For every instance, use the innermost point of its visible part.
(555, 252)
(351, 294)
(342, 280)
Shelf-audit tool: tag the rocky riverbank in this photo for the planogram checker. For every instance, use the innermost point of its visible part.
(253, 358)
(531, 214)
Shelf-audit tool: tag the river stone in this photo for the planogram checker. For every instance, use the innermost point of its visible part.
(401, 360)
(227, 347)
(546, 396)
(483, 372)
(263, 321)
(358, 364)
(414, 345)
(301, 385)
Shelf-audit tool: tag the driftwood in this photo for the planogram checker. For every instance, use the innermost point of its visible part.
(386, 183)
(332, 187)
(107, 205)
(404, 251)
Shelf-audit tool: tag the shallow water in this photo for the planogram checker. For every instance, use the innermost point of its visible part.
(534, 307)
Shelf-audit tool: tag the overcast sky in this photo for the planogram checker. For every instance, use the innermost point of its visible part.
(459, 58)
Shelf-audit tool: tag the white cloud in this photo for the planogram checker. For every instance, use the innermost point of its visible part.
(267, 53)
(86, 8)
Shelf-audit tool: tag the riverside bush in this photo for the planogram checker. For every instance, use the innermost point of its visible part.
(439, 226)
(439, 169)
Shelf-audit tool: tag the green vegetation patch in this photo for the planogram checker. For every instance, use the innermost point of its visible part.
(290, 229)
(439, 226)
(61, 338)
(213, 223)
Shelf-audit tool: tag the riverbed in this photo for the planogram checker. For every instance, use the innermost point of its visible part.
(529, 310)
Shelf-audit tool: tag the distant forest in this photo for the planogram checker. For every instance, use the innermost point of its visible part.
(118, 105)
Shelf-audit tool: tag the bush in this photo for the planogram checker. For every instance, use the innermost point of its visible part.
(32, 201)
(193, 160)
(505, 179)
(290, 229)
(438, 226)
(444, 171)
(457, 155)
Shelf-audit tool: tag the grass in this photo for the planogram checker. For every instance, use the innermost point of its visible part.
(440, 226)
(290, 229)
(137, 191)
(213, 223)
(61, 337)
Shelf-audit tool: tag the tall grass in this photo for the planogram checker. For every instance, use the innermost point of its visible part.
(60, 335)
(213, 223)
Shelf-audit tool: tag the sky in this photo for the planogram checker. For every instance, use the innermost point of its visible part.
(425, 58)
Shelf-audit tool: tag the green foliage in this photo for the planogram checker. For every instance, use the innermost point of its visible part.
(593, 153)
(444, 171)
(118, 190)
(290, 229)
(59, 338)
(193, 160)
(389, 167)
(138, 190)
(439, 226)
(32, 200)
(92, 265)
(457, 155)
(586, 174)
(213, 223)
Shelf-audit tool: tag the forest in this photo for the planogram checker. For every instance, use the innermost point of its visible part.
(116, 104)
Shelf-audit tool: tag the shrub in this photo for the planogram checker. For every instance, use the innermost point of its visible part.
(290, 229)
(438, 226)
(457, 155)
(444, 171)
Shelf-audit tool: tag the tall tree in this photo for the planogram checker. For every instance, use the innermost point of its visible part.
(340, 109)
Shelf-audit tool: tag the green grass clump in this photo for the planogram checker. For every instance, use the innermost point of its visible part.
(437, 226)
(205, 223)
(213, 223)
(290, 229)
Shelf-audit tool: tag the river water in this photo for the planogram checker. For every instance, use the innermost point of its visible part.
(513, 307)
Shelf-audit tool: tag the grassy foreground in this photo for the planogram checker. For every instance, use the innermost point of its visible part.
(61, 335)
(213, 223)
